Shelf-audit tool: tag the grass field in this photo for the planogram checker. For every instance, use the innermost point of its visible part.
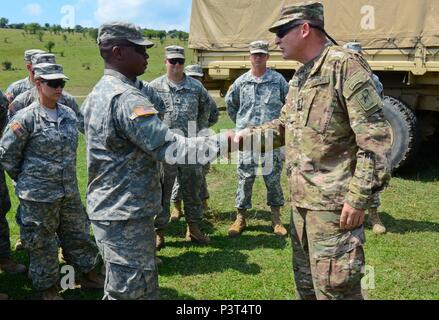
(258, 264)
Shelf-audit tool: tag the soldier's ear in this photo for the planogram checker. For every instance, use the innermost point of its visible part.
(117, 52)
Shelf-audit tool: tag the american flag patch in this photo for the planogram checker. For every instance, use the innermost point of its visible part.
(143, 112)
(17, 129)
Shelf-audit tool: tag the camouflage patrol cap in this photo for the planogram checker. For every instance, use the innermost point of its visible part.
(49, 71)
(259, 46)
(122, 31)
(312, 11)
(174, 52)
(354, 46)
(28, 54)
(194, 70)
(43, 58)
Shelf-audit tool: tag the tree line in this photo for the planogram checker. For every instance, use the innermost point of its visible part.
(36, 29)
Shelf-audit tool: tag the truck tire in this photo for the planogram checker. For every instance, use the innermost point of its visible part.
(405, 136)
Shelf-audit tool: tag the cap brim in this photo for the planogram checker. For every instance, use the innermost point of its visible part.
(142, 42)
(54, 76)
(279, 24)
(175, 56)
(194, 74)
(258, 51)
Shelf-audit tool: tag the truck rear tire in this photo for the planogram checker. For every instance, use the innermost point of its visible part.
(405, 136)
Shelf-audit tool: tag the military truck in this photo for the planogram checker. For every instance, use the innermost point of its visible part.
(400, 39)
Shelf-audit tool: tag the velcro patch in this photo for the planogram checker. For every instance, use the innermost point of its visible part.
(354, 83)
(368, 99)
(143, 111)
(17, 129)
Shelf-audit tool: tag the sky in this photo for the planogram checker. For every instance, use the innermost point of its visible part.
(152, 14)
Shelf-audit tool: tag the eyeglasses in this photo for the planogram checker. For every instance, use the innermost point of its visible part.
(139, 49)
(177, 60)
(282, 32)
(55, 84)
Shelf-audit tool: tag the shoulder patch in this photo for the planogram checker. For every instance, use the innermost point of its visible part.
(17, 129)
(368, 99)
(143, 111)
(354, 83)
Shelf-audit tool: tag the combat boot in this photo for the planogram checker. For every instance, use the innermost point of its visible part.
(92, 280)
(19, 245)
(375, 222)
(177, 213)
(239, 225)
(194, 234)
(160, 240)
(277, 226)
(3, 296)
(9, 266)
(51, 294)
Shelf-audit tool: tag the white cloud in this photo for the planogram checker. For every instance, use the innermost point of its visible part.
(118, 10)
(33, 9)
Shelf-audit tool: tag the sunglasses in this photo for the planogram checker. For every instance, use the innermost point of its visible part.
(282, 32)
(177, 60)
(139, 49)
(55, 84)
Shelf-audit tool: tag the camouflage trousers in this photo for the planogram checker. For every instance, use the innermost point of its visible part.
(5, 206)
(128, 250)
(271, 166)
(328, 263)
(45, 226)
(376, 201)
(190, 177)
(204, 192)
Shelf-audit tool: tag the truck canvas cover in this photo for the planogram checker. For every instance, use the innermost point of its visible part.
(231, 25)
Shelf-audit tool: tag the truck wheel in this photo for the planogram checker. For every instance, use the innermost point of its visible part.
(405, 137)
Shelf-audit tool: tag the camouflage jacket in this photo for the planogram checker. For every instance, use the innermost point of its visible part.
(186, 102)
(125, 140)
(40, 154)
(251, 102)
(152, 96)
(25, 99)
(17, 88)
(336, 137)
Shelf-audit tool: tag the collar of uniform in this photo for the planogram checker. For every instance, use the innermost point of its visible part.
(118, 75)
(267, 77)
(182, 85)
(62, 113)
(320, 59)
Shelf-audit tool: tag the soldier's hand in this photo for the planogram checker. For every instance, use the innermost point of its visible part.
(351, 218)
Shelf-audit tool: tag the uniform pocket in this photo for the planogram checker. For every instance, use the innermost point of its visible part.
(318, 105)
(339, 261)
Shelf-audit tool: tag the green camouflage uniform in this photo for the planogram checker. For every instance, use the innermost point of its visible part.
(337, 152)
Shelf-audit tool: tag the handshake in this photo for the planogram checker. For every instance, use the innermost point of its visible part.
(255, 139)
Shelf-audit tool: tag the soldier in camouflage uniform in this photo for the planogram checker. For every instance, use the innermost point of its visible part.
(337, 154)
(27, 83)
(125, 142)
(187, 103)
(374, 218)
(26, 98)
(6, 263)
(195, 71)
(256, 98)
(38, 150)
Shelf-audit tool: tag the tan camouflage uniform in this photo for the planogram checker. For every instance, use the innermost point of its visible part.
(336, 138)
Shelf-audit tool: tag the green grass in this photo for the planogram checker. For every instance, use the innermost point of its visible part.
(258, 264)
